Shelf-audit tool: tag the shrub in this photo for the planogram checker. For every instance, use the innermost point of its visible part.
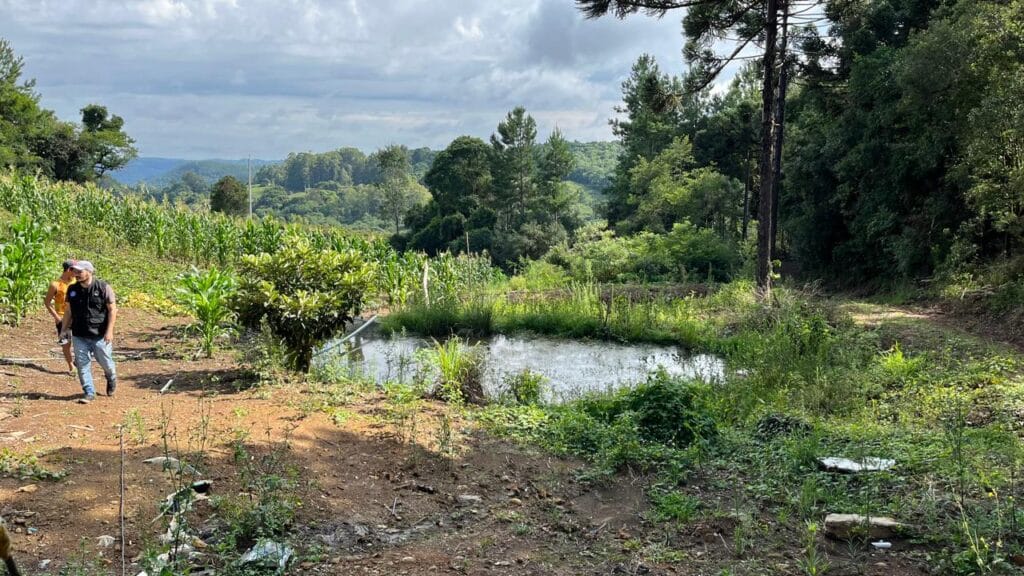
(673, 506)
(671, 411)
(526, 386)
(305, 295)
(685, 253)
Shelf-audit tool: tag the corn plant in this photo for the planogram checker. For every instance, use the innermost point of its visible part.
(207, 296)
(204, 238)
(23, 265)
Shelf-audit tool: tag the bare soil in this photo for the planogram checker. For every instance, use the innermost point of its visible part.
(372, 501)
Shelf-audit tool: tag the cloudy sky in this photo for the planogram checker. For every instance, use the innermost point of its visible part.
(230, 78)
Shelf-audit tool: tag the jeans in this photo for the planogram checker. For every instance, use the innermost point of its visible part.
(104, 353)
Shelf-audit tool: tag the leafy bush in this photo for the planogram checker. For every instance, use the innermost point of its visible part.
(539, 275)
(664, 421)
(23, 266)
(676, 506)
(685, 253)
(207, 296)
(305, 295)
(526, 387)
(671, 411)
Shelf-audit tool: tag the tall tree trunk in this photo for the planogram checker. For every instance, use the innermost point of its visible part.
(764, 213)
(779, 124)
(746, 198)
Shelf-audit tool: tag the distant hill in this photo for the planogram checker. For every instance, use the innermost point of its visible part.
(159, 172)
(595, 164)
(146, 169)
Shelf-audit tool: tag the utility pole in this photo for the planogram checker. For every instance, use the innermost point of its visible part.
(248, 168)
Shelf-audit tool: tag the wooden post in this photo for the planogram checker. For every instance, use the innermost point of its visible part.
(426, 274)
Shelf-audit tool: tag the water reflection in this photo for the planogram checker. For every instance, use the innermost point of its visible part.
(571, 366)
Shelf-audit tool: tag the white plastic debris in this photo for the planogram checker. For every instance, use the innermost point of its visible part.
(882, 545)
(846, 465)
(269, 552)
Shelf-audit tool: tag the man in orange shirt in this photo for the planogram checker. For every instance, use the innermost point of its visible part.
(54, 302)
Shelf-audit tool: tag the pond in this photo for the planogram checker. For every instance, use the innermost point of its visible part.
(571, 367)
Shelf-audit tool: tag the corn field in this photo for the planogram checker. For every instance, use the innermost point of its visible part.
(209, 239)
(23, 268)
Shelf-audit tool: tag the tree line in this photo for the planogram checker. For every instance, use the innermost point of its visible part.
(903, 154)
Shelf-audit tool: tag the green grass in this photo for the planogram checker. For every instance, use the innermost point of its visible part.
(809, 379)
(581, 311)
(139, 279)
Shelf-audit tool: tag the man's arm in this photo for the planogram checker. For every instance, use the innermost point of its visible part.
(48, 301)
(65, 323)
(112, 312)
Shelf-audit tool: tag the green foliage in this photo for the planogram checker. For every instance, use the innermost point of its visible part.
(526, 387)
(305, 295)
(398, 190)
(33, 139)
(25, 466)
(265, 510)
(670, 411)
(685, 254)
(24, 263)
(103, 141)
(813, 562)
(578, 311)
(180, 234)
(228, 196)
(674, 506)
(509, 199)
(594, 164)
(208, 297)
(459, 368)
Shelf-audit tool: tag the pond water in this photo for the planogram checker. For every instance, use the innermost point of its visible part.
(570, 366)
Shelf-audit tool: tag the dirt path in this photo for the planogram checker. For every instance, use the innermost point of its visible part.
(929, 325)
(371, 502)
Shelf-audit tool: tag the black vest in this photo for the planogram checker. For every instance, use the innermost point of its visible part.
(89, 314)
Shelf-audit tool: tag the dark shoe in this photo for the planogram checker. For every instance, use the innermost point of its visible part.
(111, 387)
(86, 399)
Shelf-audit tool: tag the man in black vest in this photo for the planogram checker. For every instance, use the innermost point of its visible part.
(90, 315)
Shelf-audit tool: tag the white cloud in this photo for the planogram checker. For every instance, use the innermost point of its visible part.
(199, 78)
(469, 30)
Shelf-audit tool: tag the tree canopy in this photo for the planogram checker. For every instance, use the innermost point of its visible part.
(33, 138)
